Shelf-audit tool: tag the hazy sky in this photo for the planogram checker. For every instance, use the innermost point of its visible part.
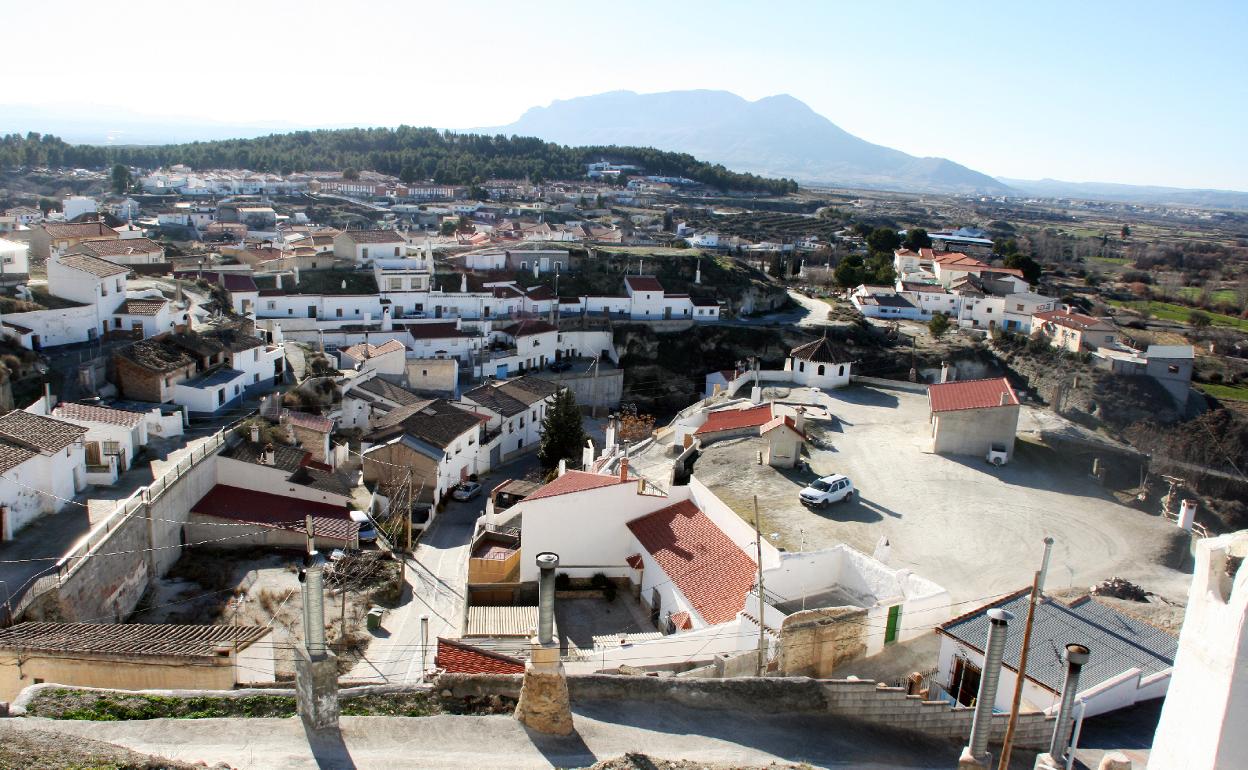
(1138, 92)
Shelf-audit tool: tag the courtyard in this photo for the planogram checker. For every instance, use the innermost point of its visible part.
(973, 528)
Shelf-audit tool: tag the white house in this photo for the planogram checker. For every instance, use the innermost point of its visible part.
(42, 465)
(363, 245)
(124, 251)
(113, 437)
(14, 258)
(74, 206)
(386, 358)
(1131, 661)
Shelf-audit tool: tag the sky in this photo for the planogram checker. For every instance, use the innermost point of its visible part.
(1135, 92)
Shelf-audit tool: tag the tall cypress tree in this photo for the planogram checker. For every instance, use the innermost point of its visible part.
(563, 436)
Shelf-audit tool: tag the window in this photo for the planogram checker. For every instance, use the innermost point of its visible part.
(364, 253)
(840, 372)
(534, 415)
(801, 366)
(1019, 307)
(821, 370)
(1172, 369)
(396, 284)
(396, 251)
(537, 343)
(338, 312)
(255, 354)
(272, 305)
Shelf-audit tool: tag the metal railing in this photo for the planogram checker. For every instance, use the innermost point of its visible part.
(100, 533)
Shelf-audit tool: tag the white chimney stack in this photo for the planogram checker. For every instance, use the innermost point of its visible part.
(255, 433)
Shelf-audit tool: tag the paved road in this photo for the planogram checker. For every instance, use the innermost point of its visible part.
(604, 730)
(808, 313)
(437, 579)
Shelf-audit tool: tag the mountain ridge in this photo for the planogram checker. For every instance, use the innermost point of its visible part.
(776, 135)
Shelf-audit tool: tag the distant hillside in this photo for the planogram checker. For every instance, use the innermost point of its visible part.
(406, 152)
(775, 136)
(1129, 193)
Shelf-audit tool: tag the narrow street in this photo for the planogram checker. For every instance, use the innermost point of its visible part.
(437, 578)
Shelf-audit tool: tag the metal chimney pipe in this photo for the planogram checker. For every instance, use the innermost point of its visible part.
(1076, 656)
(981, 725)
(313, 599)
(1044, 565)
(546, 562)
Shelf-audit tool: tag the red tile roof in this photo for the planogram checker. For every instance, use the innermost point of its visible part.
(777, 422)
(104, 414)
(643, 283)
(459, 658)
(574, 481)
(730, 419)
(365, 350)
(711, 571)
(276, 511)
(310, 421)
(971, 394)
(634, 560)
(682, 620)
(1071, 320)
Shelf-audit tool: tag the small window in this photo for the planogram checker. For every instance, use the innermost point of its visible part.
(821, 367)
(338, 312)
(1172, 369)
(841, 371)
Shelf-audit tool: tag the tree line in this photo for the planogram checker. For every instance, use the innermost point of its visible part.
(407, 152)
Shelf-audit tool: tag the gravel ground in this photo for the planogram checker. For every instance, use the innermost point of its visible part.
(972, 528)
(48, 750)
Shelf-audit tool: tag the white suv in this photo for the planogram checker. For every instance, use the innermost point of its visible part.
(829, 489)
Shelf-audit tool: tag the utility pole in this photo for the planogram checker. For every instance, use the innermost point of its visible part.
(758, 555)
(1008, 743)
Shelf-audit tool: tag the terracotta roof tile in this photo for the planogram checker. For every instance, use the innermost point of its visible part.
(310, 421)
(374, 236)
(100, 268)
(971, 394)
(821, 351)
(574, 481)
(459, 658)
(643, 283)
(731, 419)
(1073, 320)
(141, 306)
(713, 573)
(277, 511)
(37, 432)
(104, 414)
(129, 638)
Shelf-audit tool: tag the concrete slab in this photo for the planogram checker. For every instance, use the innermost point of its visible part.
(973, 528)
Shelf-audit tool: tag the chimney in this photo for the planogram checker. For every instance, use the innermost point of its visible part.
(546, 563)
(975, 754)
(279, 281)
(563, 466)
(1005, 398)
(269, 457)
(624, 469)
(255, 433)
(1076, 656)
(944, 371)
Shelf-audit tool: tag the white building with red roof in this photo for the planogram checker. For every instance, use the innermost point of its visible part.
(691, 562)
(974, 417)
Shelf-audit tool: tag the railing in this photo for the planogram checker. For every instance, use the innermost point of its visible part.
(100, 533)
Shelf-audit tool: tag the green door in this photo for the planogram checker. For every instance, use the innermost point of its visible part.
(894, 617)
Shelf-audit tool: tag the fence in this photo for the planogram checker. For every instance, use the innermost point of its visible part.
(98, 535)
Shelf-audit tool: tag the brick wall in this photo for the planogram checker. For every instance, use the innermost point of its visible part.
(867, 701)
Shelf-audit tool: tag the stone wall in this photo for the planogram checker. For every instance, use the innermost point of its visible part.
(864, 701)
(816, 642)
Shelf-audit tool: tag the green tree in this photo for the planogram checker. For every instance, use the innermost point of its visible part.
(563, 435)
(938, 325)
(1199, 319)
(121, 178)
(1125, 232)
(883, 240)
(47, 204)
(351, 174)
(1005, 246)
(917, 238)
(448, 227)
(668, 226)
(1030, 267)
(407, 174)
(850, 272)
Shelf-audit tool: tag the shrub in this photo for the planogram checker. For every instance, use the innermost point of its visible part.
(599, 581)
(562, 582)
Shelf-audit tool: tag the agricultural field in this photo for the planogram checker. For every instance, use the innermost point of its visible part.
(1224, 392)
(772, 227)
(1169, 311)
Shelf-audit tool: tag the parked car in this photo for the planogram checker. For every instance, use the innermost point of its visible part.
(466, 490)
(368, 533)
(560, 366)
(829, 489)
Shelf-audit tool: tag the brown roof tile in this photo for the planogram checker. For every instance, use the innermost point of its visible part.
(41, 433)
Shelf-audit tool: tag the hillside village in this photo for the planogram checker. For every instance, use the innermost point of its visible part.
(341, 437)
